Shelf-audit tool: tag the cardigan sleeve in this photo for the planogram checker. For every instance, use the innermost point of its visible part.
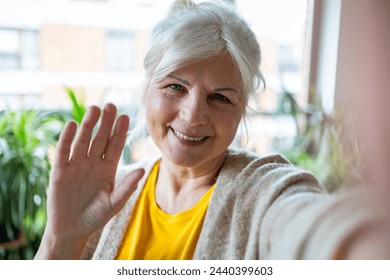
(306, 225)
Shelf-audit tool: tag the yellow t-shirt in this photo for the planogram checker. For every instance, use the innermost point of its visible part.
(153, 234)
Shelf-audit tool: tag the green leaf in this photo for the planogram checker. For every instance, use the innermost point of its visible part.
(78, 110)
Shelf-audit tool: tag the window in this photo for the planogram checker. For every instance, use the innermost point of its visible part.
(29, 49)
(280, 29)
(9, 49)
(19, 49)
(121, 51)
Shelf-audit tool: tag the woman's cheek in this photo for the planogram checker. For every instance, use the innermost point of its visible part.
(163, 109)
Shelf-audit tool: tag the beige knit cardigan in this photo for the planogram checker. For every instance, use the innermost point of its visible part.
(261, 208)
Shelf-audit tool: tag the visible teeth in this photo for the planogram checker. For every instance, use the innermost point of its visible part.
(188, 138)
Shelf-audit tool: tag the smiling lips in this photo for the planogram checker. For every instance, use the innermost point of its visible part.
(188, 138)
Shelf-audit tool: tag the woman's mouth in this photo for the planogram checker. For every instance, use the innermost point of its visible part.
(188, 138)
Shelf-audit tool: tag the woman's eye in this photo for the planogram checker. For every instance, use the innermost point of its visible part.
(175, 87)
(220, 97)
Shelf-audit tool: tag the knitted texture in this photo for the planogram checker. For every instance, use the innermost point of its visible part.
(261, 208)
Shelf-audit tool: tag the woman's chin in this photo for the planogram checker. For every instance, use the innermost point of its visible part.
(194, 159)
(185, 159)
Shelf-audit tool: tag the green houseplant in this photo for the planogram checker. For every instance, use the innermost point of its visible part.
(319, 143)
(25, 140)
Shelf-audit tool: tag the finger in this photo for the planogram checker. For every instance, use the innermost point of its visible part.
(83, 138)
(62, 154)
(122, 193)
(102, 136)
(117, 141)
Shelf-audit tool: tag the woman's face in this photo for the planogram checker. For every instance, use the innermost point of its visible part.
(193, 113)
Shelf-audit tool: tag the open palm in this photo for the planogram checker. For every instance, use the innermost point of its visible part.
(82, 193)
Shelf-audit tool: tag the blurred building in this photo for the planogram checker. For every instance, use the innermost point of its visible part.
(97, 47)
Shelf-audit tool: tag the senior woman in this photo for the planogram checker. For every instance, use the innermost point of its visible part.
(200, 199)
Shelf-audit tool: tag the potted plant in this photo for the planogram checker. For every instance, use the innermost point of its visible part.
(318, 145)
(25, 140)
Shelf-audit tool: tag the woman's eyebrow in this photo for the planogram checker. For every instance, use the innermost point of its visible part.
(187, 83)
(225, 89)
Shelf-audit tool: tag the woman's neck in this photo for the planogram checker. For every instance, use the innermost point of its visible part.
(179, 188)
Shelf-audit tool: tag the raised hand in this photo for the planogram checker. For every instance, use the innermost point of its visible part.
(82, 196)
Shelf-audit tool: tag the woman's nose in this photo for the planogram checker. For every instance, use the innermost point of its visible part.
(194, 110)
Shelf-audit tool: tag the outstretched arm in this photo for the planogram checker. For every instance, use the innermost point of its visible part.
(82, 196)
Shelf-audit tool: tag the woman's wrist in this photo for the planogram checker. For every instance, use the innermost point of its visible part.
(61, 248)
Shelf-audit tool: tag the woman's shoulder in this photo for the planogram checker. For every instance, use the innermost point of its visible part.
(276, 170)
(241, 159)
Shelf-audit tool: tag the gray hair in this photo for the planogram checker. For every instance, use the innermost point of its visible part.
(193, 32)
